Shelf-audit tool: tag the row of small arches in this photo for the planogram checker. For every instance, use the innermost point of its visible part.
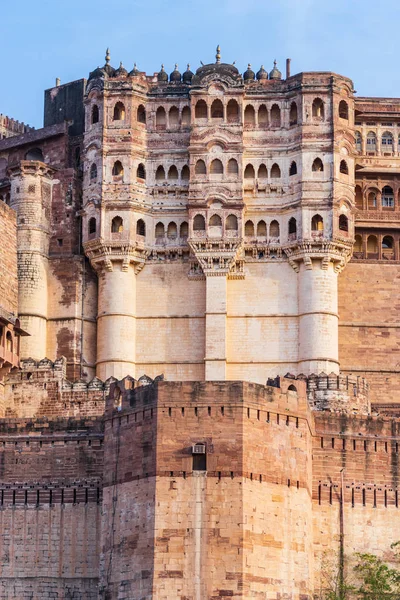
(387, 141)
(372, 244)
(231, 223)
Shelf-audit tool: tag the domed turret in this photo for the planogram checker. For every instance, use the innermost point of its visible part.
(135, 71)
(162, 75)
(100, 72)
(187, 76)
(175, 76)
(249, 74)
(262, 74)
(107, 67)
(275, 73)
(121, 71)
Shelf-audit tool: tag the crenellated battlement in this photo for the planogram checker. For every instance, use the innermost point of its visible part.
(10, 127)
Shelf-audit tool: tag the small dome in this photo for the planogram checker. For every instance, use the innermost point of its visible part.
(121, 71)
(187, 76)
(249, 74)
(262, 73)
(175, 75)
(97, 73)
(162, 75)
(275, 73)
(135, 71)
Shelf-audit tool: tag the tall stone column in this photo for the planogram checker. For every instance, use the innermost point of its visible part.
(318, 264)
(116, 322)
(117, 265)
(216, 305)
(318, 318)
(31, 198)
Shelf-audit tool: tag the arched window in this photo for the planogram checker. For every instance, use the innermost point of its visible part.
(184, 230)
(261, 229)
(318, 109)
(292, 226)
(371, 200)
(216, 167)
(173, 117)
(161, 117)
(274, 230)
(160, 173)
(199, 223)
(387, 142)
(232, 111)
(186, 116)
(358, 244)
(293, 114)
(200, 111)
(200, 168)
(160, 230)
(141, 114)
(387, 197)
(343, 223)
(358, 141)
(118, 169)
(343, 110)
(359, 197)
(117, 225)
(275, 116)
(141, 171)
(217, 110)
(249, 172)
(93, 172)
(231, 223)
(317, 223)
(141, 227)
(249, 229)
(344, 168)
(292, 388)
(172, 231)
(119, 112)
(371, 142)
(173, 174)
(275, 171)
(92, 225)
(34, 154)
(372, 245)
(387, 242)
(185, 173)
(318, 165)
(262, 116)
(215, 221)
(262, 172)
(233, 168)
(249, 115)
(9, 342)
(293, 169)
(95, 114)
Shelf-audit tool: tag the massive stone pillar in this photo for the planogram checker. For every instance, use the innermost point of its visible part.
(116, 321)
(31, 198)
(318, 264)
(318, 318)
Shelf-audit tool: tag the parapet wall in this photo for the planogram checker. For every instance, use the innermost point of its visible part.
(10, 127)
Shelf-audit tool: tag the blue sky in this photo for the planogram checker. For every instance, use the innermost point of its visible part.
(47, 39)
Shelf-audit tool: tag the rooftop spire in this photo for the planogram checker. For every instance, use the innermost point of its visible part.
(218, 55)
(107, 56)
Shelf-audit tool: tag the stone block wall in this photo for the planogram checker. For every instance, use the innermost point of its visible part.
(8, 260)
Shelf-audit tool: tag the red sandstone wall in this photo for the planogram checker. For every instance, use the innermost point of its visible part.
(8, 260)
(369, 332)
(50, 502)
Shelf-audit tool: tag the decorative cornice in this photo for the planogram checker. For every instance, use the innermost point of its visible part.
(336, 251)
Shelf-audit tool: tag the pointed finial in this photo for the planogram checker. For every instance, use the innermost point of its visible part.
(275, 64)
(107, 56)
(134, 65)
(120, 64)
(248, 65)
(218, 55)
(176, 66)
(188, 67)
(162, 67)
